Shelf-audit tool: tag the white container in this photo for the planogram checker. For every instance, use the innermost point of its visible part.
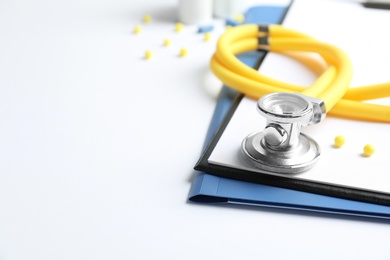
(197, 12)
(228, 8)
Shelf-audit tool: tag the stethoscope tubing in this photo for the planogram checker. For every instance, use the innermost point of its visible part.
(332, 86)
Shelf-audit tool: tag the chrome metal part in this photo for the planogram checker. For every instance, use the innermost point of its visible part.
(281, 147)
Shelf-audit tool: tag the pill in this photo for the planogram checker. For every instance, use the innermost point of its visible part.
(183, 52)
(339, 141)
(148, 55)
(368, 150)
(147, 18)
(207, 36)
(137, 29)
(240, 18)
(179, 27)
(167, 42)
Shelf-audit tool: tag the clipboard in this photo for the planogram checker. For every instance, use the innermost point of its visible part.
(207, 188)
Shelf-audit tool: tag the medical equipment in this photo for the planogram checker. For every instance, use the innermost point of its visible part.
(280, 147)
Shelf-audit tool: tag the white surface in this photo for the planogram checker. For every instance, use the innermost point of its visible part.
(97, 146)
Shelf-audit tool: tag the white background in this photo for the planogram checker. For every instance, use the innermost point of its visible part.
(97, 146)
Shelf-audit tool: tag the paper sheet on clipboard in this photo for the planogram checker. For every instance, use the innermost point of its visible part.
(360, 33)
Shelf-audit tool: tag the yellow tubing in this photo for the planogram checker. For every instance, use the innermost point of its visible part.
(332, 85)
(369, 92)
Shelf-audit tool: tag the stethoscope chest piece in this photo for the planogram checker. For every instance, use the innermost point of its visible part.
(281, 147)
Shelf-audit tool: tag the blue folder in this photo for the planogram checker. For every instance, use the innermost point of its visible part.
(208, 188)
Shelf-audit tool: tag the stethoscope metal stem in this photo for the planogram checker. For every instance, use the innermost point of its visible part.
(281, 147)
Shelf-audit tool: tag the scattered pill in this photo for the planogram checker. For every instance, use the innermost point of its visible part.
(240, 18)
(137, 29)
(207, 36)
(183, 52)
(339, 141)
(368, 150)
(148, 55)
(147, 18)
(167, 42)
(179, 27)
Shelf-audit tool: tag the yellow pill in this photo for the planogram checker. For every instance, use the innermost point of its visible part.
(167, 42)
(240, 18)
(147, 18)
(339, 141)
(368, 150)
(183, 52)
(207, 36)
(179, 27)
(148, 55)
(137, 29)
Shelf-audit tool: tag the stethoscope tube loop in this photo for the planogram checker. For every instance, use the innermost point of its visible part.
(332, 86)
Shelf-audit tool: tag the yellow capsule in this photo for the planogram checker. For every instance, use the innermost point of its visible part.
(137, 29)
(368, 150)
(148, 54)
(207, 36)
(339, 141)
(179, 27)
(183, 52)
(240, 18)
(147, 18)
(167, 42)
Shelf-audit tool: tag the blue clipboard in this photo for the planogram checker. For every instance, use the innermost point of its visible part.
(208, 188)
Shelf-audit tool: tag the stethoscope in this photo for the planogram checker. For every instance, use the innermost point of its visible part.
(281, 147)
